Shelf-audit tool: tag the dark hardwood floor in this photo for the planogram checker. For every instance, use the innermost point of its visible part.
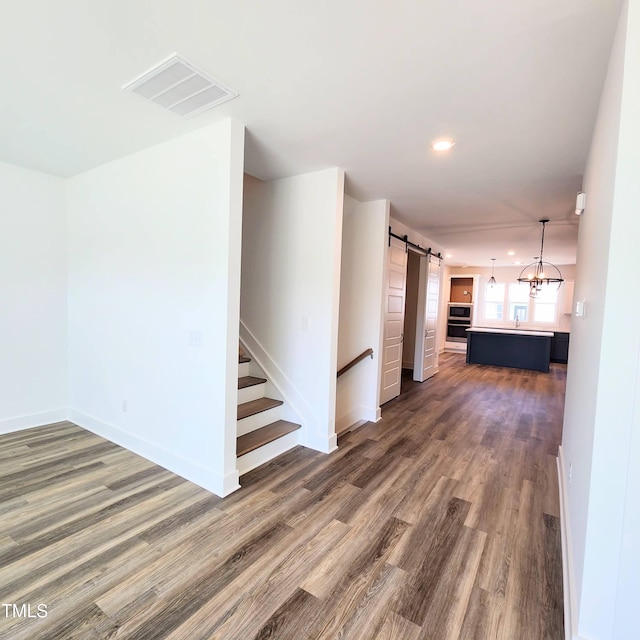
(441, 521)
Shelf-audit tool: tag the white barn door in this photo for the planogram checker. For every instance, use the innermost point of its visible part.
(426, 354)
(393, 321)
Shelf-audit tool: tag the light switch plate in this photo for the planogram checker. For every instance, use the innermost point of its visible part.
(196, 338)
(581, 308)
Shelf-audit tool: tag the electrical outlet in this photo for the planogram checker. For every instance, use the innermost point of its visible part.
(570, 471)
(305, 323)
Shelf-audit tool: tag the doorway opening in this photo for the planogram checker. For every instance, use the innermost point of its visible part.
(410, 319)
(411, 313)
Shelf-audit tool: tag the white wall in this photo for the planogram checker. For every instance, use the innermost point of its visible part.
(364, 236)
(601, 426)
(292, 235)
(401, 229)
(628, 587)
(443, 309)
(33, 335)
(625, 232)
(154, 264)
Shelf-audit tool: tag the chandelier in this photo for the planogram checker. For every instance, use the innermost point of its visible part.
(538, 273)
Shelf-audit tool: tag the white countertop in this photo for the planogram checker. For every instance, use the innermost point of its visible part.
(515, 332)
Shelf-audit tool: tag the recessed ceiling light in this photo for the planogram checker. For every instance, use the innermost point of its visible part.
(448, 255)
(518, 262)
(442, 144)
(511, 253)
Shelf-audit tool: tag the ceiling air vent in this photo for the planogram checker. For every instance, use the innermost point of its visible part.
(181, 88)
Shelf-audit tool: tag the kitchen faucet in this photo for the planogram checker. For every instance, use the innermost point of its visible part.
(517, 321)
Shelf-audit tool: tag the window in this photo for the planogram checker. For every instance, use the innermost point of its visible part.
(494, 302)
(508, 301)
(544, 304)
(519, 302)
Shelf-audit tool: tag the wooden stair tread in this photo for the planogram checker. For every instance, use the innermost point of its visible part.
(247, 409)
(258, 438)
(243, 359)
(249, 381)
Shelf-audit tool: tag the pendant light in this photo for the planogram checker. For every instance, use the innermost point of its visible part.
(492, 280)
(538, 273)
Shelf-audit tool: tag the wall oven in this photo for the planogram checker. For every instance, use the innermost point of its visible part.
(458, 321)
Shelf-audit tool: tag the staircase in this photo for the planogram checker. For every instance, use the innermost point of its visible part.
(262, 434)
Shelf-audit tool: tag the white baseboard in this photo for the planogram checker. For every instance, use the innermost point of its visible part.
(345, 421)
(353, 427)
(204, 477)
(322, 443)
(357, 415)
(9, 425)
(569, 587)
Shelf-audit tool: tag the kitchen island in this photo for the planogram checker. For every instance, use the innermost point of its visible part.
(516, 348)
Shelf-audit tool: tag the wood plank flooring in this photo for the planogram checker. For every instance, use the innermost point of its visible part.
(440, 522)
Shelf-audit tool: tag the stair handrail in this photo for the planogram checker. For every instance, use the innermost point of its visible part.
(354, 362)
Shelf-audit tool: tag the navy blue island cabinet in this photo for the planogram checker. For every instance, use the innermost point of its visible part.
(509, 348)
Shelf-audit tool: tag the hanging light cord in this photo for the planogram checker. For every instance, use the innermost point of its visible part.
(492, 279)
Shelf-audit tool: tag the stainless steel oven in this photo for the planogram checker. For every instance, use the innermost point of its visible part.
(458, 321)
(457, 330)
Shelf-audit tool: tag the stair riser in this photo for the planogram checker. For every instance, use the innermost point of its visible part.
(257, 420)
(267, 452)
(244, 369)
(251, 393)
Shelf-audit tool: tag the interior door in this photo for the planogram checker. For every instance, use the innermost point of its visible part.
(430, 354)
(393, 321)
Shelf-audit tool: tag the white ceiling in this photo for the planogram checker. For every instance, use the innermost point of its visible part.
(361, 84)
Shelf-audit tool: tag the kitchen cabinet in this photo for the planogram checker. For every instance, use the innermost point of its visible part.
(560, 347)
(509, 348)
